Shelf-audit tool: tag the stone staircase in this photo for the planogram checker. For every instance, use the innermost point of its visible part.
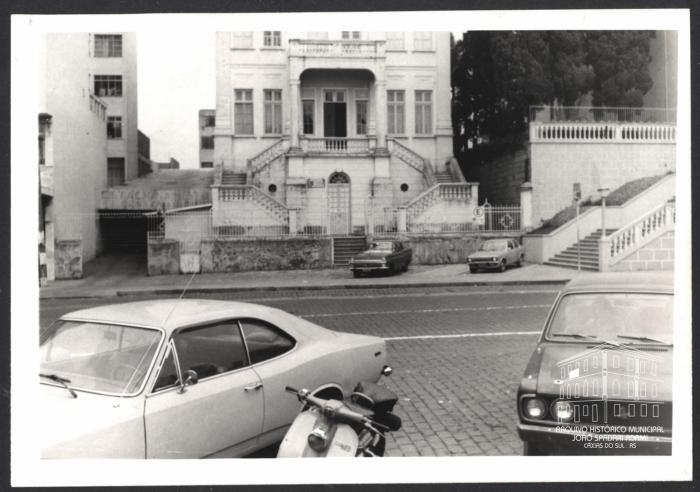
(345, 248)
(443, 177)
(589, 253)
(230, 178)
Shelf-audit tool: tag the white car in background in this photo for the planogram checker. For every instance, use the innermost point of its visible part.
(187, 378)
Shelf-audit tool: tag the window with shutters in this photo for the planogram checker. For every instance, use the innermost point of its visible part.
(396, 112)
(424, 113)
(243, 111)
(273, 111)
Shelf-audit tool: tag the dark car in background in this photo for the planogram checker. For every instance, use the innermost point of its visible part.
(496, 254)
(600, 378)
(382, 256)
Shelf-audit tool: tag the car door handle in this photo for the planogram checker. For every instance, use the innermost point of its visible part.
(256, 386)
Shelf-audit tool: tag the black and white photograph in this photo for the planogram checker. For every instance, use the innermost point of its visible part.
(440, 252)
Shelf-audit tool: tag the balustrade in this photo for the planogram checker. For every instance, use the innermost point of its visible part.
(596, 132)
(344, 48)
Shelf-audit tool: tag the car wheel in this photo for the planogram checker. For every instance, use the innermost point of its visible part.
(502, 266)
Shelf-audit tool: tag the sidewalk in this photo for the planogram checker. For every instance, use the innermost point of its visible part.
(119, 276)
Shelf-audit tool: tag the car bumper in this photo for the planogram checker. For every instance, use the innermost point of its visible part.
(485, 264)
(369, 268)
(560, 440)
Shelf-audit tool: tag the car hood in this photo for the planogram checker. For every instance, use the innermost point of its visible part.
(90, 426)
(485, 254)
(549, 376)
(372, 255)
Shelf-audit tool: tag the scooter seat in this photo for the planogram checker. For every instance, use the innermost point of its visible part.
(382, 398)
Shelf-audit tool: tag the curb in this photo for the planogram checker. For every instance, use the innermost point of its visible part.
(271, 288)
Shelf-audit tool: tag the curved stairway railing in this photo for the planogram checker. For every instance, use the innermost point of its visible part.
(413, 159)
(436, 193)
(279, 211)
(259, 161)
(636, 234)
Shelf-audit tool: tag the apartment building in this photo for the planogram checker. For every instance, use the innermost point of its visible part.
(87, 139)
(207, 121)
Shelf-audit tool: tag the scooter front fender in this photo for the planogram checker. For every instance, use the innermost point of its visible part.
(295, 443)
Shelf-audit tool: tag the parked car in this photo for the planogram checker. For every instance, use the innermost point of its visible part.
(496, 254)
(599, 380)
(382, 256)
(187, 378)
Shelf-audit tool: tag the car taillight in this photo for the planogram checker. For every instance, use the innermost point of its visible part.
(534, 408)
(562, 411)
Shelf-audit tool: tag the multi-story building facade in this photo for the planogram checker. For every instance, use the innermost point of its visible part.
(86, 127)
(112, 73)
(207, 121)
(334, 126)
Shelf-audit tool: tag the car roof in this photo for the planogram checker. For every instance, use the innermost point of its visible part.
(623, 282)
(170, 314)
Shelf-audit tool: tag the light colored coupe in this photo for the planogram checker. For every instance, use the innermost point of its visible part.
(187, 378)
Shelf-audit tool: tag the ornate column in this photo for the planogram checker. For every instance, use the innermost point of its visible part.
(294, 99)
(380, 112)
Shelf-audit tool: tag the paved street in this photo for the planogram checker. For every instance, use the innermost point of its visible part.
(458, 354)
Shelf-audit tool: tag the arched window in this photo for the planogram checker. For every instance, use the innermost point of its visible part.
(339, 178)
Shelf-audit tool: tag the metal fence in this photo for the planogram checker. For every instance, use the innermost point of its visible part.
(547, 114)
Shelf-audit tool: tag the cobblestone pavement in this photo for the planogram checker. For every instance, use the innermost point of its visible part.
(457, 363)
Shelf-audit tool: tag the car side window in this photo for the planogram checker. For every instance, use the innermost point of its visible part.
(211, 350)
(167, 377)
(264, 341)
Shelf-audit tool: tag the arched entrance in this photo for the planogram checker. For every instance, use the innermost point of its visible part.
(339, 203)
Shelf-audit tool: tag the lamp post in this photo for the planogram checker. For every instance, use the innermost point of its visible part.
(603, 195)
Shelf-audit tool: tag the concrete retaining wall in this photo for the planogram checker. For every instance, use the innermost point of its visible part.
(442, 249)
(657, 255)
(163, 257)
(238, 255)
(68, 258)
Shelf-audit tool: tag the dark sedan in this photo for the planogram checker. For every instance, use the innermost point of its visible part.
(599, 381)
(382, 256)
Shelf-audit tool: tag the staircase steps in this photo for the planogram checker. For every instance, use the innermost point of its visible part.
(231, 178)
(443, 177)
(345, 248)
(587, 248)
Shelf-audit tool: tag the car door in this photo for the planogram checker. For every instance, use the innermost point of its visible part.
(274, 356)
(511, 254)
(224, 408)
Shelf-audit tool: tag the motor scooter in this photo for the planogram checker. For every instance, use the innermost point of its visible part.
(353, 427)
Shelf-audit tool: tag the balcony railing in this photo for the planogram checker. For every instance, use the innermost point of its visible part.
(597, 132)
(344, 48)
(98, 106)
(335, 145)
(600, 114)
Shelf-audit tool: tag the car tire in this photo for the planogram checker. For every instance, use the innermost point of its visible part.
(502, 267)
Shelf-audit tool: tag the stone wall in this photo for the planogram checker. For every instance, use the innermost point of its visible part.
(68, 258)
(238, 255)
(441, 249)
(657, 255)
(163, 257)
(500, 179)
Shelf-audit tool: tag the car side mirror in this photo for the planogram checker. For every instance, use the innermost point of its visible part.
(191, 377)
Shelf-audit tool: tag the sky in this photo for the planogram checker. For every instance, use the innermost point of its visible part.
(176, 78)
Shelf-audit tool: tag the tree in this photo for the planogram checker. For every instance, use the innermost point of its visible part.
(620, 61)
(498, 75)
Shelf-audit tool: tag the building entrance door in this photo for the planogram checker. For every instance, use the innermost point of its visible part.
(339, 204)
(334, 118)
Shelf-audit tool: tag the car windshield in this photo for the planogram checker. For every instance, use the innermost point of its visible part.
(618, 317)
(97, 357)
(493, 245)
(381, 246)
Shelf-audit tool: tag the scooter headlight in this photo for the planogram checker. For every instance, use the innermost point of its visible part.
(318, 439)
